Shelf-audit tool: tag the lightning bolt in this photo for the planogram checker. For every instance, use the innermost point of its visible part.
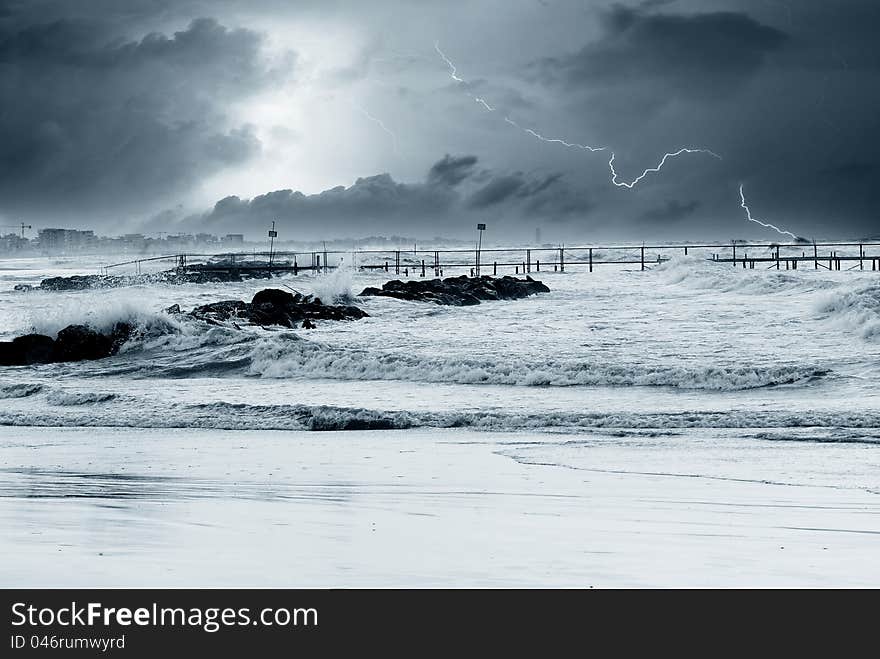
(632, 184)
(453, 73)
(763, 224)
(554, 140)
(381, 125)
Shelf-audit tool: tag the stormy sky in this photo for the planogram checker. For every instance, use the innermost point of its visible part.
(341, 119)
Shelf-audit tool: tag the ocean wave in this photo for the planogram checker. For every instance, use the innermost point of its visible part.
(846, 426)
(292, 356)
(22, 390)
(61, 397)
(857, 310)
(102, 316)
(701, 274)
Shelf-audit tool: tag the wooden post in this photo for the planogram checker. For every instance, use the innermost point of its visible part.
(861, 256)
(495, 268)
(561, 260)
(734, 254)
(423, 267)
(643, 257)
(591, 259)
(397, 262)
(685, 251)
(386, 265)
(538, 265)
(528, 260)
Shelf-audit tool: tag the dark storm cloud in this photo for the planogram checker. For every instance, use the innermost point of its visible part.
(379, 203)
(510, 186)
(496, 191)
(95, 122)
(451, 170)
(692, 54)
(672, 211)
(98, 120)
(374, 202)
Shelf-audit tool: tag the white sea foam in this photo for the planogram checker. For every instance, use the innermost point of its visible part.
(701, 274)
(858, 310)
(78, 409)
(291, 356)
(335, 286)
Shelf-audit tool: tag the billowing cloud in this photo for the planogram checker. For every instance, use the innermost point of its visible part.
(379, 203)
(704, 54)
(90, 123)
(451, 170)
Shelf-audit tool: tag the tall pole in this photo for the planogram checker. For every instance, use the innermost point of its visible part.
(480, 228)
(272, 234)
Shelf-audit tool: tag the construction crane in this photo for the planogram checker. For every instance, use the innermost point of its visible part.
(21, 226)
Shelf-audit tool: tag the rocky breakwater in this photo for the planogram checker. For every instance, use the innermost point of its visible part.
(272, 306)
(460, 291)
(74, 343)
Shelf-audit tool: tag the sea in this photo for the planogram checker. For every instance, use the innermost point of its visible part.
(693, 424)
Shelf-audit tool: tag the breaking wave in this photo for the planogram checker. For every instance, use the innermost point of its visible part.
(297, 357)
(701, 274)
(858, 310)
(22, 390)
(78, 398)
(860, 426)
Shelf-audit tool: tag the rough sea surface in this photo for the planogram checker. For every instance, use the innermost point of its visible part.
(620, 391)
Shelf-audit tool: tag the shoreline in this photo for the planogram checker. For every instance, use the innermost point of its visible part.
(454, 508)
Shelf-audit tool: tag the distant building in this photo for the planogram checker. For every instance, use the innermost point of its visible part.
(66, 240)
(134, 241)
(233, 240)
(12, 242)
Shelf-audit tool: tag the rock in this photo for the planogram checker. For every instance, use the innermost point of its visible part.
(219, 311)
(459, 291)
(27, 349)
(273, 296)
(74, 343)
(173, 310)
(272, 306)
(78, 343)
(307, 324)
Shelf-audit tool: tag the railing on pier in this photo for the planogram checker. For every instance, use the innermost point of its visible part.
(524, 260)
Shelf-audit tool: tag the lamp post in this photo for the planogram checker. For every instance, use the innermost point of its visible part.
(272, 236)
(480, 229)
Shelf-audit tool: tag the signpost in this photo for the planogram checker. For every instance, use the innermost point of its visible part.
(481, 227)
(272, 236)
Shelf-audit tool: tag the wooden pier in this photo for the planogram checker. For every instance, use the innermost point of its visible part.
(414, 262)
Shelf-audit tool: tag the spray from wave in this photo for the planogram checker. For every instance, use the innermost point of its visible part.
(857, 310)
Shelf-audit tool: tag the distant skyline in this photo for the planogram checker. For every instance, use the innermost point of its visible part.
(347, 119)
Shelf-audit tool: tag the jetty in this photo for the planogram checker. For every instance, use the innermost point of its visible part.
(415, 262)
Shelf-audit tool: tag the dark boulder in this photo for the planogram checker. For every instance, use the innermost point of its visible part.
(219, 311)
(459, 291)
(74, 343)
(27, 349)
(273, 306)
(273, 296)
(78, 343)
